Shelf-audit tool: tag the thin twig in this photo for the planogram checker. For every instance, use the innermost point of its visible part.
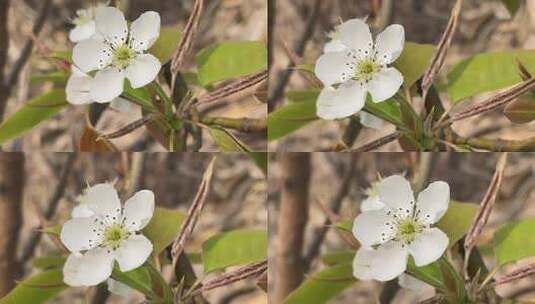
(194, 213)
(187, 38)
(443, 47)
(517, 274)
(246, 272)
(234, 87)
(377, 143)
(484, 211)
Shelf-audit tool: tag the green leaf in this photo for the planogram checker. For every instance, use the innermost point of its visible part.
(163, 228)
(167, 43)
(51, 261)
(261, 160)
(64, 55)
(32, 113)
(431, 274)
(335, 258)
(38, 289)
(237, 247)
(300, 112)
(514, 241)
(387, 110)
(226, 141)
(231, 60)
(457, 220)
(323, 286)
(139, 279)
(521, 110)
(413, 61)
(58, 77)
(55, 230)
(487, 72)
(512, 6)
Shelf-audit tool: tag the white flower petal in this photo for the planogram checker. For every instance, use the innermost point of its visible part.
(138, 210)
(385, 84)
(77, 89)
(144, 31)
(390, 260)
(119, 288)
(346, 100)
(334, 45)
(91, 54)
(361, 264)
(356, 35)
(370, 228)
(82, 32)
(133, 252)
(428, 246)
(332, 68)
(111, 25)
(82, 210)
(142, 70)
(409, 282)
(371, 121)
(79, 234)
(396, 192)
(107, 85)
(102, 199)
(371, 203)
(389, 43)
(90, 269)
(433, 202)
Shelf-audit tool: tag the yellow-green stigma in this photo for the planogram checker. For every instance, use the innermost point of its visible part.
(114, 235)
(366, 69)
(122, 56)
(408, 229)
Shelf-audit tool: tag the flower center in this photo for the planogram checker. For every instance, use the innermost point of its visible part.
(366, 69)
(114, 235)
(122, 56)
(408, 229)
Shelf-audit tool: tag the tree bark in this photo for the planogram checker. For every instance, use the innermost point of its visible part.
(291, 224)
(11, 186)
(4, 45)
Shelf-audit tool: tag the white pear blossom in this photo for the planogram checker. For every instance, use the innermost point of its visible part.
(403, 227)
(84, 24)
(116, 53)
(78, 88)
(102, 232)
(354, 65)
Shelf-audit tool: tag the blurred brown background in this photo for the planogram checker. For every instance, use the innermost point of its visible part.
(484, 26)
(53, 181)
(338, 182)
(222, 20)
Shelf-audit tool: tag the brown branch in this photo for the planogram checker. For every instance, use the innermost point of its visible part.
(234, 87)
(493, 102)
(289, 267)
(496, 145)
(4, 42)
(377, 143)
(27, 49)
(194, 213)
(284, 75)
(443, 46)
(11, 192)
(129, 128)
(485, 209)
(52, 205)
(187, 37)
(246, 272)
(334, 206)
(516, 274)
